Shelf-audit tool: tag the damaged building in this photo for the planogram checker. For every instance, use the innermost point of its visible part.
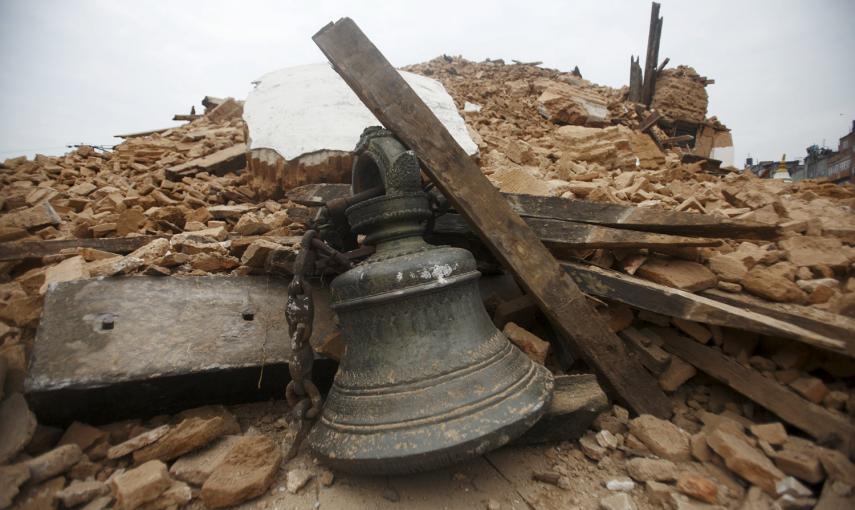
(526, 291)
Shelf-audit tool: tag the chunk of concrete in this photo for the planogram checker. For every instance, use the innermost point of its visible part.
(247, 472)
(141, 484)
(189, 435)
(745, 460)
(576, 402)
(662, 437)
(53, 463)
(17, 426)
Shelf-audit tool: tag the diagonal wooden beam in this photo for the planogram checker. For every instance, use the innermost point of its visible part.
(672, 302)
(816, 420)
(397, 106)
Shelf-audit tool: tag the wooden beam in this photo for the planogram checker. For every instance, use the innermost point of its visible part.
(186, 117)
(142, 133)
(652, 90)
(562, 237)
(646, 219)
(399, 108)
(37, 249)
(825, 323)
(650, 121)
(634, 80)
(815, 420)
(673, 140)
(673, 302)
(650, 60)
(652, 356)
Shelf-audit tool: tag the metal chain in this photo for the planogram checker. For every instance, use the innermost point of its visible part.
(303, 396)
(438, 204)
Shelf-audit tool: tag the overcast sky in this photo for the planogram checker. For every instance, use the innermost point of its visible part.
(82, 71)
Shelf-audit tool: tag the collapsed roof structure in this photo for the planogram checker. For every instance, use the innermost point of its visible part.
(735, 294)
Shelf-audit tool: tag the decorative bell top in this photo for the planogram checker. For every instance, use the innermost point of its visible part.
(395, 223)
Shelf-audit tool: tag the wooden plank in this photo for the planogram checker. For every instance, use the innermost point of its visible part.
(815, 420)
(673, 140)
(673, 302)
(37, 249)
(649, 121)
(225, 160)
(174, 337)
(562, 237)
(645, 219)
(825, 323)
(652, 356)
(400, 109)
(143, 133)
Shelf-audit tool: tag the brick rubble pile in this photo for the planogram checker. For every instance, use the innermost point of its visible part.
(540, 132)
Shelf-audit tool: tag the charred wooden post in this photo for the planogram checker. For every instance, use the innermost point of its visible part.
(635, 80)
(652, 57)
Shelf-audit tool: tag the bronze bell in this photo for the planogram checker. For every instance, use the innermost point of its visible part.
(426, 379)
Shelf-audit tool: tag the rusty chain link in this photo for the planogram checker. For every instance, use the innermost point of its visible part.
(302, 395)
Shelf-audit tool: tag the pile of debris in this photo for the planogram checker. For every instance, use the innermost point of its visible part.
(523, 152)
(749, 329)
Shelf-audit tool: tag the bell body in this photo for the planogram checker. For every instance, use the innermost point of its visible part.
(426, 379)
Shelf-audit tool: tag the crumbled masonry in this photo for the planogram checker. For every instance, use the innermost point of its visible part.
(186, 202)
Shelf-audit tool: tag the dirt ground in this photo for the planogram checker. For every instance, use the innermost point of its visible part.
(503, 477)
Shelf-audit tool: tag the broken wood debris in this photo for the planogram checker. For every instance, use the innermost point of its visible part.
(673, 302)
(581, 211)
(807, 416)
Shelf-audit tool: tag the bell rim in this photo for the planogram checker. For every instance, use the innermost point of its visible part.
(537, 391)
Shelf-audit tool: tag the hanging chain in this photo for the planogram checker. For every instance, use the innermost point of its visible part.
(438, 203)
(303, 396)
(315, 257)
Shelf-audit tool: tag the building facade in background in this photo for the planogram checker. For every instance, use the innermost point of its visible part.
(767, 169)
(835, 166)
(821, 163)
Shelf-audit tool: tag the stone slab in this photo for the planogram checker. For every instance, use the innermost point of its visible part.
(118, 347)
